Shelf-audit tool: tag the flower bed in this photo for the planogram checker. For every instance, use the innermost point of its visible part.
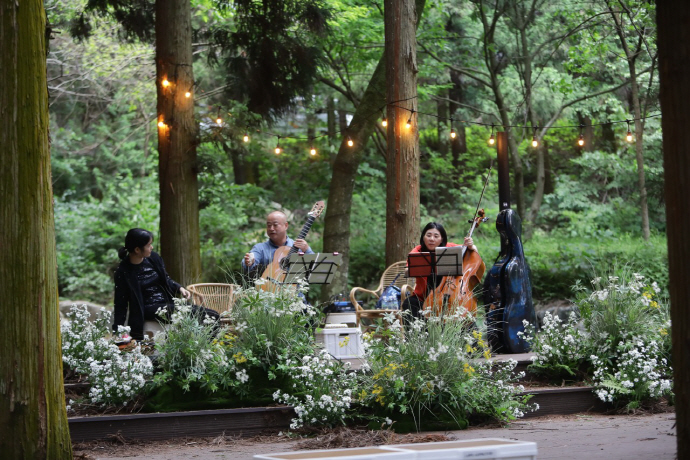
(434, 376)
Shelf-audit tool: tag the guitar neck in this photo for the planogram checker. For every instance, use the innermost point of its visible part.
(303, 233)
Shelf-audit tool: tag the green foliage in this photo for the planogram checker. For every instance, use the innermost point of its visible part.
(560, 348)
(432, 373)
(557, 263)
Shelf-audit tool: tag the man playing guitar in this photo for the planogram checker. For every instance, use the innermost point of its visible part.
(261, 254)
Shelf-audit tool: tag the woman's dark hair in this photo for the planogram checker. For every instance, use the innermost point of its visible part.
(136, 238)
(441, 230)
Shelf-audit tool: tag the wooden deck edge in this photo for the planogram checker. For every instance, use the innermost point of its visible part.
(565, 401)
(230, 422)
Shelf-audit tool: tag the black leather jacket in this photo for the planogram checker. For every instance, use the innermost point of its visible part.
(128, 293)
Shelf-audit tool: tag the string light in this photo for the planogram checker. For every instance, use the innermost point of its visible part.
(581, 139)
(161, 124)
(165, 83)
(453, 134)
(188, 94)
(408, 125)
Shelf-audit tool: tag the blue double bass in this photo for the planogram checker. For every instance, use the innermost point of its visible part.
(508, 289)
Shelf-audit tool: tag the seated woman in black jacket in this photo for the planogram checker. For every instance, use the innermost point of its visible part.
(143, 287)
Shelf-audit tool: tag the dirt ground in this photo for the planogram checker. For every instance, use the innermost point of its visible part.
(594, 437)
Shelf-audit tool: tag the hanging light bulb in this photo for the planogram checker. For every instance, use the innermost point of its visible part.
(629, 136)
(219, 121)
(312, 150)
(246, 137)
(492, 139)
(188, 94)
(350, 143)
(408, 125)
(278, 149)
(581, 139)
(165, 83)
(384, 122)
(161, 124)
(453, 134)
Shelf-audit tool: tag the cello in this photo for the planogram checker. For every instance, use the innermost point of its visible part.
(276, 271)
(457, 292)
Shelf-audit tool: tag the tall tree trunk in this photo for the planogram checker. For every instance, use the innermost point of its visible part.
(177, 140)
(402, 162)
(330, 111)
(33, 419)
(673, 18)
(631, 57)
(336, 235)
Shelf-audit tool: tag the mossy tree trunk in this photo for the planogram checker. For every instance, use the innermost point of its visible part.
(177, 141)
(673, 18)
(402, 162)
(33, 419)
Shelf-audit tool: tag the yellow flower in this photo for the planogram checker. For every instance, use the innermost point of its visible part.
(239, 357)
(663, 331)
(467, 369)
(487, 353)
(654, 304)
(468, 348)
(345, 341)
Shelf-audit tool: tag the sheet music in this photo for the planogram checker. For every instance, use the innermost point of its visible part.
(449, 260)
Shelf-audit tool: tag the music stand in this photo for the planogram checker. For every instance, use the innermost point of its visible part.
(449, 260)
(316, 268)
(324, 267)
(421, 264)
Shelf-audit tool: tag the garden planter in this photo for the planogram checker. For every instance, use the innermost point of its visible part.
(230, 422)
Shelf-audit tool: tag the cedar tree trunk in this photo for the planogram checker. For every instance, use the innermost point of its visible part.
(177, 139)
(33, 419)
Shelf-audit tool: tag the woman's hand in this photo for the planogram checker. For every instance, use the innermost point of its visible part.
(185, 293)
(469, 243)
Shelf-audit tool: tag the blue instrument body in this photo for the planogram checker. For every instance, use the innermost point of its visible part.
(508, 289)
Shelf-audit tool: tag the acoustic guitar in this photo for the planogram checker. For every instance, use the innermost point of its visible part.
(276, 271)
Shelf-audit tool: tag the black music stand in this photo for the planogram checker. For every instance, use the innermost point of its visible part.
(316, 268)
(421, 264)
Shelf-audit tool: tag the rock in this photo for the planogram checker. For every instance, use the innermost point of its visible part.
(560, 308)
(93, 308)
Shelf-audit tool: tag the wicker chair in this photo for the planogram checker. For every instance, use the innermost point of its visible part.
(216, 296)
(370, 315)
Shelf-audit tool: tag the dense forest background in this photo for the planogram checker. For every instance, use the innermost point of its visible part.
(554, 71)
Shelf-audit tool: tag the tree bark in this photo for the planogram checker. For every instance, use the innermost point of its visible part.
(177, 140)
(402, 162)
(673, 18)
(33, 419)
(337, 221)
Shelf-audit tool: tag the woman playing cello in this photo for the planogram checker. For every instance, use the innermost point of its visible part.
(433, 236)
